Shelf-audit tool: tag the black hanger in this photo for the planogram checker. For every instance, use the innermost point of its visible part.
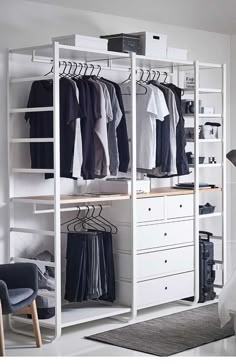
(51, 70)
(81, 67)
(166, 75)
(92, 66)
(149, 73)
(155, 73)
(158, 75)
(63, 72)
(89, 218)
(96, 218)
(103, 218)
(69, 74)
(100, 68)
(128, 79)
(86, 66)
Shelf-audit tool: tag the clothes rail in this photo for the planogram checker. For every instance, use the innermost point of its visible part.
(69, 209)
(102, 67)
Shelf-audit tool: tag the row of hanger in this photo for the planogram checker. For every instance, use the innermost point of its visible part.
(141, 81)
(98, 223)
(75, 70)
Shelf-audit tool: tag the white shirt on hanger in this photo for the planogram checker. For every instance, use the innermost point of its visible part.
(148, 110)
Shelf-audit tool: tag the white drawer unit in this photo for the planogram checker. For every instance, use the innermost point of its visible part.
(161, 235)
(163, 290)
(150, 209)
(179, 206)
(165, 262)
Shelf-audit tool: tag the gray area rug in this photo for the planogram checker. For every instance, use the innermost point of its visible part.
(171, 334)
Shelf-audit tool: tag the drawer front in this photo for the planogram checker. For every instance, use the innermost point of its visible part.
(164, 290)
(150, 209)
(179, 206)
(154, 236)
(165, 262)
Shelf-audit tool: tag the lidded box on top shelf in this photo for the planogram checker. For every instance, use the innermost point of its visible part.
(83, 41)
(123, 43)
(153, 44)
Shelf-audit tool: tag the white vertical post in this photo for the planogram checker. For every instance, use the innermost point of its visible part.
(56, 161)
(133, 189)
(224, 197)
(10, 242)
(196, 182)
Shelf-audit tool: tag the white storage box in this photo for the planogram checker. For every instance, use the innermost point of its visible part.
(153, 44)
(177, 53)
(124, 186)
(83, 41)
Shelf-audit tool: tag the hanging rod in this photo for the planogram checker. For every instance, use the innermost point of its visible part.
(91, 64)
(68, 209)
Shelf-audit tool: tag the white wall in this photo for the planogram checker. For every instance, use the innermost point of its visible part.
(23, 23)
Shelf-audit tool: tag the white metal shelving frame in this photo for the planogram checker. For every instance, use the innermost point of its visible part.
(109, 61)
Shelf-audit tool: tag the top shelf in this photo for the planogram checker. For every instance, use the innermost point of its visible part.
(93, 56)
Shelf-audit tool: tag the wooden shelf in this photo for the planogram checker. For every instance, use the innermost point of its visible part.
(77, 199)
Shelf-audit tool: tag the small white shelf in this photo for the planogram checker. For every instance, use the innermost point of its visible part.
(31, 170)
(210, 116)
(206, 216)
(74, 314)
(204, 90)
(31, 109)
(207, 165)
(205, 141)
(32, 140)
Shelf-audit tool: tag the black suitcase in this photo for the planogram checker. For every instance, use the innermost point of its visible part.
(206, 272)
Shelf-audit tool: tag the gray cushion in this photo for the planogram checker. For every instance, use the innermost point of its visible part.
(18, 295)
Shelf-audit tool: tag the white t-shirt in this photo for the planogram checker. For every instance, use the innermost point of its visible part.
(147, 113)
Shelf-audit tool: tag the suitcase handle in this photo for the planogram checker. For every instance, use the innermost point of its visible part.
(206, 233)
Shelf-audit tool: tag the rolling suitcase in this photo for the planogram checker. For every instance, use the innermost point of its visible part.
(206, 272)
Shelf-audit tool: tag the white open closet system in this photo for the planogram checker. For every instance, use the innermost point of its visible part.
(162, 198)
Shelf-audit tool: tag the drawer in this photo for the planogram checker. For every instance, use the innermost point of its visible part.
(154, 264)
(154, 236)
(164, 290)
(179, 206)
(150, 209)
(165, 262)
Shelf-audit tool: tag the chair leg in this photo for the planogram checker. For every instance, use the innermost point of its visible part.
(2, 340)
(37, 332)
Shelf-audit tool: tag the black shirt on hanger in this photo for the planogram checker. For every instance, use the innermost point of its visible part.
(181, 157)
(121, 131)
(41, 125)
(88, 97)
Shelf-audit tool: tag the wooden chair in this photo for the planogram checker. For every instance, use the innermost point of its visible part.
(18, 290)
